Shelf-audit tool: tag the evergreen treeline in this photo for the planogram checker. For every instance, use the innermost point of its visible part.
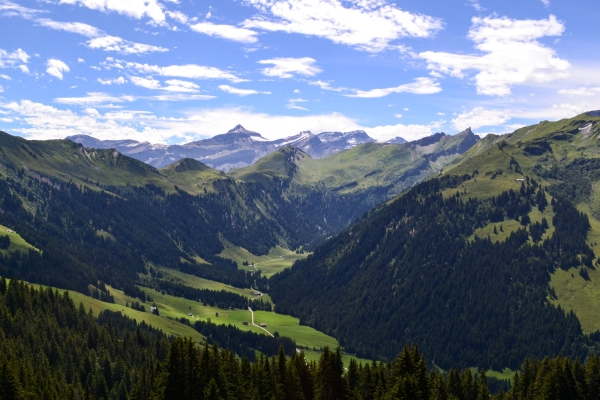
(50, 349)
(407, 274)
(244, 343)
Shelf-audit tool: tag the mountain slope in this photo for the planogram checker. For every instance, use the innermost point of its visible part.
(98, 215)
(387, 169)
(237, 148)
(464, 264)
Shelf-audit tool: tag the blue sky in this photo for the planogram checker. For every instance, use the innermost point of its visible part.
(173, 71)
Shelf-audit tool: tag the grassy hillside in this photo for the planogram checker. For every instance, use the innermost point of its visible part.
(389, 167)
(17, 243)
(409, 272)
(561, 156)
(277, 260)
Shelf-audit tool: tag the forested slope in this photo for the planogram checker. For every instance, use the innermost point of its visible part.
(406, 273)
(50, 349)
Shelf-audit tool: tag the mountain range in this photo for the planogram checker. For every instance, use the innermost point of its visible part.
(235, 149)
(481, 252)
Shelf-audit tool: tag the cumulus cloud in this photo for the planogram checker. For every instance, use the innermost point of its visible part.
(132, 8)
(189, 71)
(56, 68)
(327, 86)
(173, 85)
(120, 45)
(290, 67)
(419, 86)
(115, 81)
(478, 117)
(370, 25)
(16, 59)
(510, 54)
(228, 32)
(8, 78)
(240, 92)
(41, 121)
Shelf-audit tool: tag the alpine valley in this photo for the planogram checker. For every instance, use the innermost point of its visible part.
(481, 253)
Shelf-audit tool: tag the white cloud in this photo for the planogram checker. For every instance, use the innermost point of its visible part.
(407, 132)
(240, 92)
(56, 68)
(115, 43)
(12, 60)
(289, 67)
(5, 77)
(545, 2)
(293, 104)
(80, 60)
(99, 39)
(441, 114)
(229, 32)
(327, 86)
(581, 91)
(475, 4)
(72, 27)
(173, 85)
(370, 25)
(94, 99)
(419, 86)
(132, 8)
(115, 81)
(178, 16)
(398, 116)
(478, 117)
(40, 121)
(10, 9)
(190, 71)
(47, 122)
(510, 54)
(180, 97)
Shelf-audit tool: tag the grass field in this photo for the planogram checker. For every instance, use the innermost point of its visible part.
(177, 308)
(169, 327)
(17, 243)
(201, 283)
(575, 293)
(277, 260)
(510, 225)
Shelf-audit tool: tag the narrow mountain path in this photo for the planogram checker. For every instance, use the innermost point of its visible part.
(250, 309)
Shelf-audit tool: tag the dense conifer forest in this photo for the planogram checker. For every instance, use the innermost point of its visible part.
(109, 234)
(407, 274)
(50, 349)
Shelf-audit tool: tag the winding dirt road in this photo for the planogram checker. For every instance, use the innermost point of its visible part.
(260, 327)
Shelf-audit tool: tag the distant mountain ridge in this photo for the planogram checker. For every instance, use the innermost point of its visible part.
(237, 148)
